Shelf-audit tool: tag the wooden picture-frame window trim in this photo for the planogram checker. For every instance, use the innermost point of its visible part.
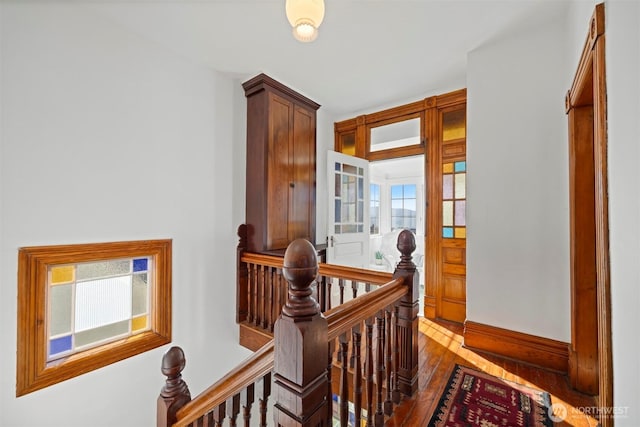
(33, 371)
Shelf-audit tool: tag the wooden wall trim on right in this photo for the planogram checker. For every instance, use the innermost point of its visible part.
(539, 351)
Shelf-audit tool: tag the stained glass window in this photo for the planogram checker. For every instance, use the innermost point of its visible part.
(96, 302)
(454, 194)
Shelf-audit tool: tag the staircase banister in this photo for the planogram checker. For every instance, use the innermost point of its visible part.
(343, 317)
(246, 373)
(357, 274)
(331, 270)
(261, 259)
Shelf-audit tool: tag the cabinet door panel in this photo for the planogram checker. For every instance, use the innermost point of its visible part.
(278, 171)
(303, 167)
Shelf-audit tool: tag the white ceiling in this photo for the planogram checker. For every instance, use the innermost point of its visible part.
(368, 53)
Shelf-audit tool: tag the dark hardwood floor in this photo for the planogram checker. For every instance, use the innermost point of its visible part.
(440, 348)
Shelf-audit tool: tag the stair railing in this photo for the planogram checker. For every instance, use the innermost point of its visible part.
(303, 386)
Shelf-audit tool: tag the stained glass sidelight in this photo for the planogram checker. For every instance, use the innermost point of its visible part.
(97, 302)
(454, 194)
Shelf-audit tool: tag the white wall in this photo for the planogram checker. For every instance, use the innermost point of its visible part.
(107, 137)
(622, 48)
(517, 185)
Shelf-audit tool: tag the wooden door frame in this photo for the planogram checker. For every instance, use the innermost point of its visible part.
(431, 147)
(590, 355)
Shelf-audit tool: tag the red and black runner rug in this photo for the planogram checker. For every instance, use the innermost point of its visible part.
(473, 398)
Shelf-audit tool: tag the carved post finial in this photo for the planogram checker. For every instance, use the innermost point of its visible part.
(300, 268)
(175, 393)
(406, 245)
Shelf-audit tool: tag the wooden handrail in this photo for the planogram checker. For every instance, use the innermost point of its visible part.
(330, 270)
(243, 375)
(340, 319)
(344, 316)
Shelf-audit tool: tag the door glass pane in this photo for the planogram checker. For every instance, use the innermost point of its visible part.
(349, 201)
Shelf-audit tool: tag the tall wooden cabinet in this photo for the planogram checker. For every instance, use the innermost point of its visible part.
(281, 165)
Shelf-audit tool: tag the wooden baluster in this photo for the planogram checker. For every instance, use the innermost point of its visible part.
(329, 398)
(175, 393)
(367, 287)
(205, 421)
(396, 355)
(275, 306)
(253, 301)
(341, 285)
(379, 418)
(242, 277)
(354, 289)
(300, 335)
(264, 399)
(329, 284)
(344, 380)
(267, 322)
(233, 408)
(407, 327)
(357, 375)
(388, 403)
(246, 400)
(322, 292)
(282, 293)
(262, 300)
(369, 370)
(219, 413)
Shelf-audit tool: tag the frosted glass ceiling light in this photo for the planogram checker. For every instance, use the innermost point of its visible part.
(305, 16)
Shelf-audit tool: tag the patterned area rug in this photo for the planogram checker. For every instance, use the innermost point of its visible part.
(473, 398)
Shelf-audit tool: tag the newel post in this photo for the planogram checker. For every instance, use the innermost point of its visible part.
(407, 329)
(301, 346)
(175, 393)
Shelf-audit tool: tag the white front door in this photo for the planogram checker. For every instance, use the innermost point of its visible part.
(348, 219)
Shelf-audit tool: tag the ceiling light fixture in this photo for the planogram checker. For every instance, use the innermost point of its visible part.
(305, 16)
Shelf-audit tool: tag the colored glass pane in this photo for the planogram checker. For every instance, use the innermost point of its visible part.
(349, 143)
(138, 323)
(60, 309)
(62, 274)
(360, 211)
(349, 228)
(447, 232)
(60, 345)
(447, 168)
(460, 214)
(460, 166)
(103, 333)
(140, 264)
(460, 186)
(453, 125)
(92, 270)
(360, 228)
(338, 210)
(447, 213)
(101, 302)
(447, 186)
(140, 294)
(360, 171)
(337, 166)
(337, 229)
(349, 169)
(337, 185)
(461, 233)
(360, 188)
